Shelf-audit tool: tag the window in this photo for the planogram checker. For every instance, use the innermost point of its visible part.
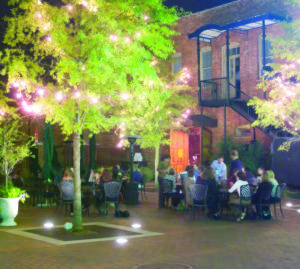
(176, 63)
(243, 131)
(206, 63)
(269, 55)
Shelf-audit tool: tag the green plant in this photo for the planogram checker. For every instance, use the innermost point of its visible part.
(147, 174)
(10, 191)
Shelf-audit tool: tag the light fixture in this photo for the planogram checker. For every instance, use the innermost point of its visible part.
(136, 225)
(289, 204)
(122, 241)
(48, 225)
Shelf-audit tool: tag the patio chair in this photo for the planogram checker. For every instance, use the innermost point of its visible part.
(142, 189)
(198, 194)
(166, 190)
(245, 199)
(264, 201)
(66, 189)
(112, 194)
(278, 197)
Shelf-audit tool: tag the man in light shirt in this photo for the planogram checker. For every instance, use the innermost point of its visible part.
(220, 168)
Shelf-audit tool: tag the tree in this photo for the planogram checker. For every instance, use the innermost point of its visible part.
(282, 108)
(14, 146)
(76, 60)
(163, 107)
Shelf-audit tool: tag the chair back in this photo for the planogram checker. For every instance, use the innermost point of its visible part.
(167, 186)
(67, 190)
(266, 193)
(112, 189)
(245, 196)
(198, 192)
(279, 190)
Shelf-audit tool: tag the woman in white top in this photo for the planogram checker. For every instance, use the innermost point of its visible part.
(234, 201)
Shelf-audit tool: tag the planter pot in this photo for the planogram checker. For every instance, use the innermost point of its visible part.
(131, 194)
(8, 211)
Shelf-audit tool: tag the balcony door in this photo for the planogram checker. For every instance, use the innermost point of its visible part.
(234, 70)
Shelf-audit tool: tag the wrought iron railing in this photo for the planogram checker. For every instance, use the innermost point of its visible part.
(213, 89)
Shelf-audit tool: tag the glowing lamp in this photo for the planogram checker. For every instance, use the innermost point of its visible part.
(77, 94)
(59, 96)
(289, 204)
(121, 241)
(120, 144)
(19, 95)
(298, 210)
(136, 226)
(146, 17)
(94, 100)
(2, 113)
(69, 7)
(127, 39)
(113, 38)
(85, 3)
(125, 96)
(41, 92)
(48, 225)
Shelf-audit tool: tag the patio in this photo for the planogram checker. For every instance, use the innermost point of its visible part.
(199, 243)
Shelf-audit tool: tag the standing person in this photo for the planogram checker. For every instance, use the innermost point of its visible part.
(220, 169)
(236, 162)
(163, 169)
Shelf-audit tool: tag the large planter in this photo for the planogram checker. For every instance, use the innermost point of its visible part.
(8, 211)
(131, 194)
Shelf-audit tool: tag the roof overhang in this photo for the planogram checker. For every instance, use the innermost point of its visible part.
(210, 31)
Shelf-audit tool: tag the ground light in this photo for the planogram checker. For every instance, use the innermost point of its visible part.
(122, 241)
(289, 204)
(48, 225)
(136, 225)
(298, 210)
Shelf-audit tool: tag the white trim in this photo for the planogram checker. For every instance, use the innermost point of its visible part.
(23, 232)
(203, 50)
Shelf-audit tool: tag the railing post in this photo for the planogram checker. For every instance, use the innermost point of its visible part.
(264, 51)
(199, 71)
(225, 135)
(202, 131)
(227, 66)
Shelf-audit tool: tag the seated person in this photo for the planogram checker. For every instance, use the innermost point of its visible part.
(68, 174)
(274, 183)
(209, 179)
(235, 200)
(189, 181)
(183, 175)
(137, 175)
(176, 195)
(116, 174)
(263, 192)
(200, 177)
(232, 179)
(260, 172)
(67, 188)
(252, 180)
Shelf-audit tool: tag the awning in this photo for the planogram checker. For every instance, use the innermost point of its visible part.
(211, 31)
(207, 121)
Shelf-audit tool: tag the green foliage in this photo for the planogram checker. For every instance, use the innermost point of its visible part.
(282, 107)
(147, 174)
(14, 146)
(252, 155)
(10, 191)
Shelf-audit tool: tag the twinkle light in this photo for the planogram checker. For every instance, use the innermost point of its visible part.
(69, 7)
(2, 113)
(46, 27)
(188, 111)
(19, 95)
(77, 94)
(23, 84)
(48, 225)
(146, 17)
(41, 92)
(59, 96)
(39, 15)
(120, 144)
(138, 34)
(113, 38)
(157, 108)
(85, 3)
(39, 2)
(127, 39)
(15, 84)
(153, 63)
(94, 100)
(125, 96)
(136, 225)
(122, 240)
(184, 116)
(83, 68)
(36, 109)
(48, 38)
(94, 9)
(169, 112)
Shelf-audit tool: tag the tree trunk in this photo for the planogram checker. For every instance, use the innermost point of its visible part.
(77, 222)
(156, 161)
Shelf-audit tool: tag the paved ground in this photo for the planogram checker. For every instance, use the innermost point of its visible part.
(203, 244)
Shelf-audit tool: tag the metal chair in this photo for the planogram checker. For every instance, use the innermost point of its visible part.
(142, 189)
(198, 194)
(245, 198)
(264, 200)
(112, 194)
(66, 189)
(278, 197)
(167, 188)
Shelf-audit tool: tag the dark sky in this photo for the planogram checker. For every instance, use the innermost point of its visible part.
(196, 5)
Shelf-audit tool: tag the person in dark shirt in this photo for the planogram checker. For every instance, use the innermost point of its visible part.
(235, 163)
(209, 179)
(263, 192)
(250, 177)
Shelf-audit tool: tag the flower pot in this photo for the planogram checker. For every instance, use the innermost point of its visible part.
(8, 211)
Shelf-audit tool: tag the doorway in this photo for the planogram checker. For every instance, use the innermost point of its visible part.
(234, 70)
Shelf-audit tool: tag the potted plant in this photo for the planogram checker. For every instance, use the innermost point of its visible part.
(14, 147)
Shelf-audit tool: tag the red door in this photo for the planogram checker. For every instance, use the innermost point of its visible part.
(179, 150)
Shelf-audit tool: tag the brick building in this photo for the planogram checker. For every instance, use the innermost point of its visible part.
(233, 50)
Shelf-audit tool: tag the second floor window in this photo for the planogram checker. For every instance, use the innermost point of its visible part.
(268, 55)
(206, 64)
(177, 63)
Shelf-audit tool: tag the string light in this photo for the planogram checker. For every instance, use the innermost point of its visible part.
(138, 35)
(39, 15)
(146, 17)
(19, 95)
(85, 3)
(2, 113)
(48, 38)
(94, 100)
(59, 96)
(113, 38)
(41, 92)
(125, 96)
(69, 7)
(39, 2)
(127, 39)
(77, 94)
(83, 68)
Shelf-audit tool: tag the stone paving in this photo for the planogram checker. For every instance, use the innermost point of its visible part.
(201, 243)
